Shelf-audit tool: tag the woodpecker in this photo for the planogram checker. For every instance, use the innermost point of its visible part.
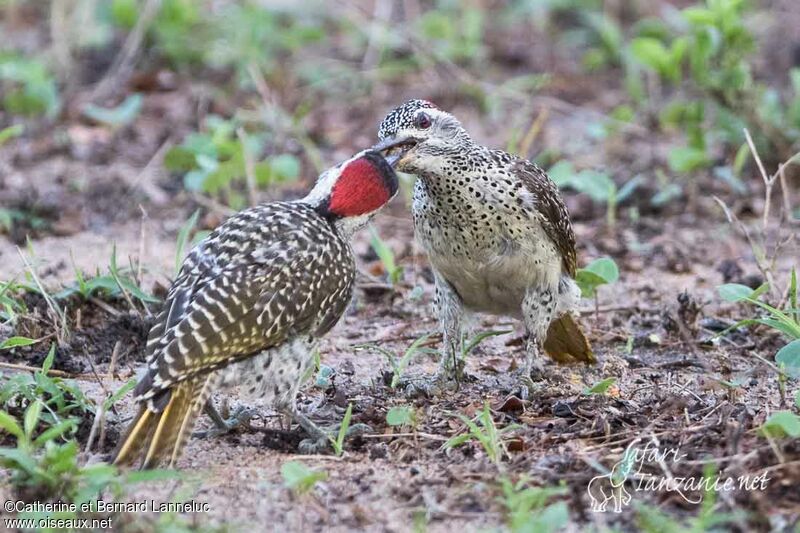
(496, 232)
(249, 305)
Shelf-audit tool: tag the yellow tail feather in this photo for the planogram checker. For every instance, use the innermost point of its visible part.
(162, 435)
(566, 342)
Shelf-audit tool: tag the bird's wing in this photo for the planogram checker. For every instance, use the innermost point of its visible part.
(548, 203)
(221, 315)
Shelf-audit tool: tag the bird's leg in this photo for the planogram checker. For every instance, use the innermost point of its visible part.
(450, 310)
(319, 439)
(538, 308)
(240, 418)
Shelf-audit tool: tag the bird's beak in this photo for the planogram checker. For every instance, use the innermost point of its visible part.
(394, 148)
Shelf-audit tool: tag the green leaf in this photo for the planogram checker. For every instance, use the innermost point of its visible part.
(687, 159)
(651, 53)
(345, 425)
(400, 415)
(285, 167)
(599, 272)
(32, 417)
(54, 432)
(782, 424)
(299, 478)
(604, 267)
(734, 292)
(116, 117)
(179, 159)
(122, 391)
(14, 342)
(10, 132)
(9, 423)
(562, 173)
(789, 357)
(183, 239)
(601, 387)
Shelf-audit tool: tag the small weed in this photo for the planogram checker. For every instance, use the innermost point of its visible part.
(402, 415)
(214, 162)
(299, 478)
(399, 366)
(28, 88)
(782, 424)
(528, 509)
(117, 117)
(601, 387)
(60, 399)
(783, 320)
(386, 255)
(483, 430)
(41, 467)
(602, 271)
(11, 132)
(338, 442)
(598, 185)
(184, 240)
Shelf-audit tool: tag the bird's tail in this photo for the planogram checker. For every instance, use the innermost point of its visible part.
(566, 342)
(159, 435)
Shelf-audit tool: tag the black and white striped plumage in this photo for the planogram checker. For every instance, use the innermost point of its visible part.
(249, 304)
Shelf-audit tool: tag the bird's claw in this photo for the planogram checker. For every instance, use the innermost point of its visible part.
(524, 388)
(239, 419)
(323, 443)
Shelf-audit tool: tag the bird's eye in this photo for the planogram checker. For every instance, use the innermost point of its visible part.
(423, 121)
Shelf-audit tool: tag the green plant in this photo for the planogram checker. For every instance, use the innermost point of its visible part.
(28, 87)
(42, 467)
(402, 415)
(529, 509)
(399, 366)
(299, 478)
(10, 305)
(602, 271)
(338, 442)
(11, 132)
(119, 282)
(60, 399)
(598, 185)
(117, 117)
(453, 32)
(601, 387)
(183, 240)
(786, 321)
(782, 424)
(215, 161)
(483, 430)
(393, 271)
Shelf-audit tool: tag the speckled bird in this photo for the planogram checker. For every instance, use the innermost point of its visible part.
(249, 305)
(496, 231)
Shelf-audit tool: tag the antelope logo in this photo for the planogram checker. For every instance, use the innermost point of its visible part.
(605, 488)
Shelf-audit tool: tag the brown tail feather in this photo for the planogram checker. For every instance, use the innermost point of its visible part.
(162, 435)
(566, 341)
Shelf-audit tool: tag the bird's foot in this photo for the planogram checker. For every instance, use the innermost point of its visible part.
(428, 387)
(327, 440)
(240, 419)
(319, 439)
(528, 380)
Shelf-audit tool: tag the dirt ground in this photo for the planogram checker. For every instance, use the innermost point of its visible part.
(653, 330)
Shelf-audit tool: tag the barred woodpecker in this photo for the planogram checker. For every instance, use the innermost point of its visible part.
(496, 231)
(249, 305)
